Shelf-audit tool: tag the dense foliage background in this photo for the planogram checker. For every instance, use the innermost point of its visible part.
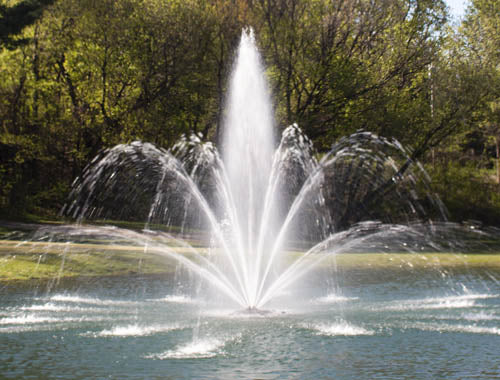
(77, 76)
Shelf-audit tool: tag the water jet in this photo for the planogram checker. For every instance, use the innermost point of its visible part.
(257, 198)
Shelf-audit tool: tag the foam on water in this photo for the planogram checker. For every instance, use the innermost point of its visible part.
(481, 316)
(199, 348)
(88, 300)
(176, 299)
(473, 329)
(25, 328)
(340, 328)
(52, 307)
(333, 298)
(134, 330)
(27, 319)
(448, 302)
(244, 314)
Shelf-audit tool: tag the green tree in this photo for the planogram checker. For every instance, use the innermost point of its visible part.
(465, 133)
(341, 66)
(98, 73)
(14, 18)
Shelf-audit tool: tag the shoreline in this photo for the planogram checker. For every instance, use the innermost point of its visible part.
(22, 263)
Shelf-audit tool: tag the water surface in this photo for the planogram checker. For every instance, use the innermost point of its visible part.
(140, 327)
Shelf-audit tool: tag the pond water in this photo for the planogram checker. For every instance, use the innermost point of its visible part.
(380, 325)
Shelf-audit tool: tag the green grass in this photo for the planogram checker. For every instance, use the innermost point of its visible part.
(420, 260)
(29, 261)
(40, 260)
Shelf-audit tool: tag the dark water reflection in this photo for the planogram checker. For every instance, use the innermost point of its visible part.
(382, 324)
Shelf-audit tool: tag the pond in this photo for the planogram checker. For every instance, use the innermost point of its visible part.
(387, 324)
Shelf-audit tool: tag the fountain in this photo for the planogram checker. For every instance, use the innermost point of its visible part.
(255, 201)
(289, 264)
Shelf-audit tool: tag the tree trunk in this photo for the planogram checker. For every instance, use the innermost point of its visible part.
(497, 160)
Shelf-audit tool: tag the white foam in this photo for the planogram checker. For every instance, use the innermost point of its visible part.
(448, 302)
(134, 330)
(197, 349)
(471, 296)
(244, 314)
(472, 316)
(49, 306)
(341, 328)
(24, 328)
(26, 319)
(459, 328)
(481, 316)
(334, 298)
(177, 299)
(88, 300)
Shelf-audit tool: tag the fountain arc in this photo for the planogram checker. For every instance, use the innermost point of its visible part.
(242, 196)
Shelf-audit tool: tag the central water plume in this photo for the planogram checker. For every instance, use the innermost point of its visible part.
(248, 151)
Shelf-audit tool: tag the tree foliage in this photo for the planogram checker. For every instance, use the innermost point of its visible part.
(14, 18)
(90, 74)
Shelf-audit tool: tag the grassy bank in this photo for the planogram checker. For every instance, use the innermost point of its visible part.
(40, 260)
(417, 261)
(36, 260)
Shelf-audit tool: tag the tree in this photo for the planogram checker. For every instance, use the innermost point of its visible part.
(466, 78)
(96, 73)
(336, 65)
(90, 74)
(481, 30)
(13, 19)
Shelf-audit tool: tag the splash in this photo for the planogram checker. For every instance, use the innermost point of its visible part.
(197, 349)
(135, 330)
(340, 328)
